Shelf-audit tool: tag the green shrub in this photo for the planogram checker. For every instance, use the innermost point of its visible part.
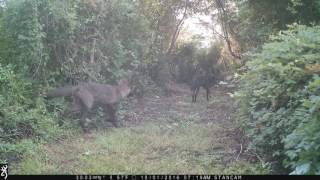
(11, 152)
(22, 115)
(274, 101)
(47, 42)
(303, 144)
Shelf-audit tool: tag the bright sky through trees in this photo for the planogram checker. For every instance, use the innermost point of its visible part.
(200, 26)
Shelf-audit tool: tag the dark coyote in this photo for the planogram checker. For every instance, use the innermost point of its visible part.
(201, 81)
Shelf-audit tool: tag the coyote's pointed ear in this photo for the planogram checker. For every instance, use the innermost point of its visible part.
(124, 87)
(123, 82)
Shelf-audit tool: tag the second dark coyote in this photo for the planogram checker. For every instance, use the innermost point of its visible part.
(204, 81)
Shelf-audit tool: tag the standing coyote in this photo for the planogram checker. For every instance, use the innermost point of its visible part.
(201, 81)
(87, 96)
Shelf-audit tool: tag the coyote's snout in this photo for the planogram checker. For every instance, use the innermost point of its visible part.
(87, 96)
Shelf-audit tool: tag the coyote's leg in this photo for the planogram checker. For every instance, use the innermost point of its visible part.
(84, 98)
(193, 92)
(69, 109)
(112, 111)
(208, 93)
(196, 94)
(83, 123)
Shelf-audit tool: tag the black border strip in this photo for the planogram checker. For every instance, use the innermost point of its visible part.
(159, 177)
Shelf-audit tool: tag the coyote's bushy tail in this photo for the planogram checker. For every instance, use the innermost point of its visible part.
(60, 92)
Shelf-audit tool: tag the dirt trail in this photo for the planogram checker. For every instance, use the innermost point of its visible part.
(163, 135)
(218, 109)
(178, 107)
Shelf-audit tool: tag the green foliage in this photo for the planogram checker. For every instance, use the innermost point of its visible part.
(44, 43)
(257, 19)
(22, 116)
(11, 152)
(275, 106)
(302, 145)
(185, 62)
(24, 32)
(110, 40)
(73, 40)
(13, 88)
(208, 61)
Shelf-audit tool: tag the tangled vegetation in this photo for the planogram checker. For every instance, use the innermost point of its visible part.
(279, 99)
(52, 42)
(273, 45)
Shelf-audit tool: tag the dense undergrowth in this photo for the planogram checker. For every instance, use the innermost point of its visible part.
(45, 44)
(280, 100)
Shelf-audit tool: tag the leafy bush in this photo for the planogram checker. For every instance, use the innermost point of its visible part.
(275, 105)
(22, 116)
(303, 144)
(24, 34)
(185, 61)
(103, 40)
(11, 152)
(57, 42)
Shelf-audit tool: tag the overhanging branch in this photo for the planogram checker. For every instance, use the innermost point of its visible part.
(177, 29)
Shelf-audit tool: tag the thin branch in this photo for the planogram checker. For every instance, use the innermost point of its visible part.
(240, 152)
(177, 30)
(93, 51)
(223, 16)
(206, 24)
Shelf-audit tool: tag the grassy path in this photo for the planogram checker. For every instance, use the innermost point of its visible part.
(164, 135)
